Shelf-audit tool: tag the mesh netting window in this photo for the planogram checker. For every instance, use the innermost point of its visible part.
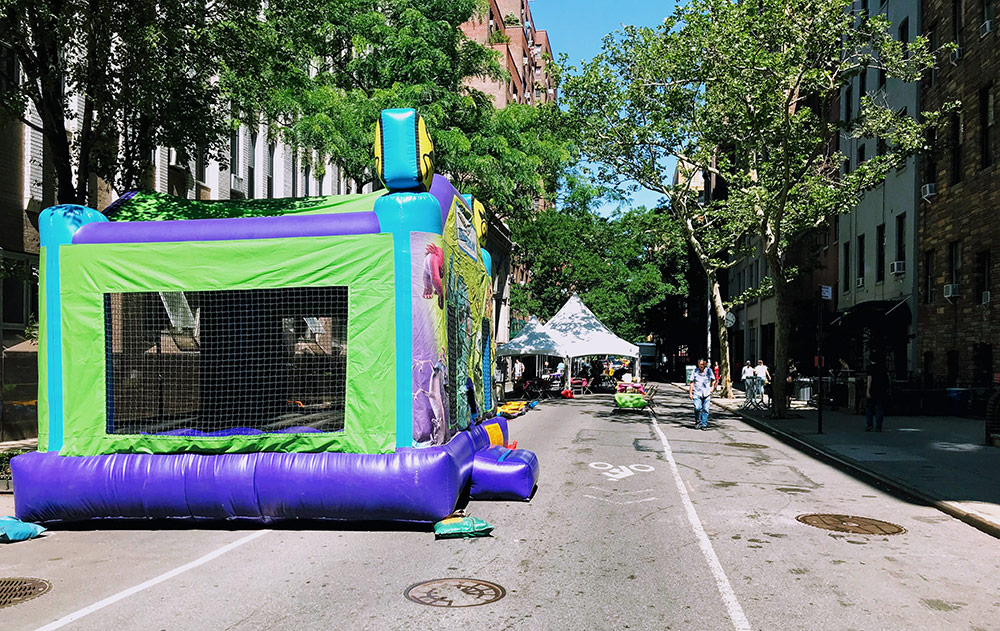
(271, 360)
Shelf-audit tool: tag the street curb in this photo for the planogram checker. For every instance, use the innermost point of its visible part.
(880, 479)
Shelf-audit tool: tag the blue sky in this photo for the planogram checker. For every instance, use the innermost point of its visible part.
(577, 27)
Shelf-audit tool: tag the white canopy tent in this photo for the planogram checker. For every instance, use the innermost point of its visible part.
(534, 339)
(580, 333)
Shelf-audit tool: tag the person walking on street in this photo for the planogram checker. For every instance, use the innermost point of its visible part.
(747, 377)
(518, 373)
(715, 369)
(876, 391)
(764, 375)
(703, 383)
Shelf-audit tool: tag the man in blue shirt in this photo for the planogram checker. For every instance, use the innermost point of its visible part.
(700, 390)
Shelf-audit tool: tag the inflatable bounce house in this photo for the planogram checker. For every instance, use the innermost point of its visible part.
(317, 358)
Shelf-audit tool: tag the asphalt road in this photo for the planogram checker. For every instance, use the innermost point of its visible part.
(638, 523)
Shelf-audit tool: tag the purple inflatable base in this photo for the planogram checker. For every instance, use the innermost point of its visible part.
(499, 473)
(415, 485)
(411, 485)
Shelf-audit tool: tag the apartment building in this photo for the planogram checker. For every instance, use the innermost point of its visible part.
(877, 289)
(508, 27)
(959, 231)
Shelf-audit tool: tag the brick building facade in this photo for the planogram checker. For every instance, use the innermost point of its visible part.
(959, 229)
(508, 27)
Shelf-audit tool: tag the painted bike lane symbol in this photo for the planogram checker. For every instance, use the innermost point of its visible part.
(622, 471)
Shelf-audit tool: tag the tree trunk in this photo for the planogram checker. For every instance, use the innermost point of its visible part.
(780, 388)
(725, 381)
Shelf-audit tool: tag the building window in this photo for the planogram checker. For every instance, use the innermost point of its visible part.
(957, 131)
(987, 11)
(901, 237)
(928, 277)
(307, 177)
(861, 258)
(849, 104)
(846, 260)
(930, 158)
(986, 125)
(863, 83)
(880, 253)
(982, 276)
(932, 44)
(270, 169)
(252, 167)
(201, 166)
(861, 154)
(904, 36)
(234, 152)
(957, 20)
(295, 173)
(954, 261)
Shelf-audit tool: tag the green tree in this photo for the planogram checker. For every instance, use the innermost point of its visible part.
(124, 77)
(623, 267)
(324, 71)
(642, 127)
(754, 85)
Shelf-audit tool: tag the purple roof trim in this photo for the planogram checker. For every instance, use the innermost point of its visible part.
(229, 229)
(445, 192)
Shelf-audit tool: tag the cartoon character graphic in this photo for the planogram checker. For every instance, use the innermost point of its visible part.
(433, 271)
(436, 394)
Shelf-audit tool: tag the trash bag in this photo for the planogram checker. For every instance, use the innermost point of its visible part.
(12, 529)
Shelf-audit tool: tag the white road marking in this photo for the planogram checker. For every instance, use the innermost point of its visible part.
(604, 499)
(739, 619)
(597, 488)
(76, 615)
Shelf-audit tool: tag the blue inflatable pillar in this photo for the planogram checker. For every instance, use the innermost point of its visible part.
(56, 226)
(404, 157)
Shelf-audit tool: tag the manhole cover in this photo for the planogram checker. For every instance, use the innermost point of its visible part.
(455, 592)
(746, 445)
(14, 591)
(852, 524)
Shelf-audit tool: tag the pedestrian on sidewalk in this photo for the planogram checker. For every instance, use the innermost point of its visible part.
(703, 383)
(715, 369)
(876, 392)
(764, 375)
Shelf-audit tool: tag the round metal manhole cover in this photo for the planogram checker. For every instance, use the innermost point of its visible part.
(455, 592)
(14, 591)
(851, 524)
(746, 445)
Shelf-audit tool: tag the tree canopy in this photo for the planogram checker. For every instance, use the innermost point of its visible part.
(747, 92)
(625, 267)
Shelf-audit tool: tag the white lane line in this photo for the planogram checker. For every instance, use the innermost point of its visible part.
(76, 615)
(740, 622)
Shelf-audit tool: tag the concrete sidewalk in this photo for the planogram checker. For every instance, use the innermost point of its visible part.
(942, 461)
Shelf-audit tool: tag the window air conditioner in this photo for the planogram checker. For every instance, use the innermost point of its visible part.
(897, 267)
(985, 28)
(861, 281)
(235, 182)
(928, 190)
(951, 291)
(956, 55)
(985, 299)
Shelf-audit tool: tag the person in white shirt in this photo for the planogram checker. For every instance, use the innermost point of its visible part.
(763, 374)
(518, 372)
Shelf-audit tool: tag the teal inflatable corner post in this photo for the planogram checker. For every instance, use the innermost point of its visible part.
(56, 226)
(404, 159)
